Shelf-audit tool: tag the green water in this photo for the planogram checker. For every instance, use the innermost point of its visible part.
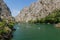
(36, 32)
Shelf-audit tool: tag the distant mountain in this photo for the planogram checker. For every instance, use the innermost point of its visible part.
(37, 10)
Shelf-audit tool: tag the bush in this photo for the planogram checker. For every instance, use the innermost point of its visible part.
(11, 24)
(2, 24)
(5, 27)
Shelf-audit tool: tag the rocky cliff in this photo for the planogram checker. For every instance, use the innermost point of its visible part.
(6, 22)
(4, 11)
(37, 10)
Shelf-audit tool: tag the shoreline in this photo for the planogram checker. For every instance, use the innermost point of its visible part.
(7, 36)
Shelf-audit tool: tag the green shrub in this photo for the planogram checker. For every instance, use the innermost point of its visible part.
(54, 17)
(11, 24)
(2, 24)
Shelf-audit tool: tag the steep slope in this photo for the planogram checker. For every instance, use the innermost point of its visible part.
(6, 22)
(4, 11)
(38, 10)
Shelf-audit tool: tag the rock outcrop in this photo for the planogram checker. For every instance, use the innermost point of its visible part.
(6, 22)
(37, 10)
(4, 11)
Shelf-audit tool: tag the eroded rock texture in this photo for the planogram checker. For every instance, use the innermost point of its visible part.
(37, 10)
(5, 12)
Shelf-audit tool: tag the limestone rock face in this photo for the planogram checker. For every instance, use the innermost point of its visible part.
(4, 11)
(37, 10)
(5, 22)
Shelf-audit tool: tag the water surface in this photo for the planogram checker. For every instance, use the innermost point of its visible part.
(25, 31)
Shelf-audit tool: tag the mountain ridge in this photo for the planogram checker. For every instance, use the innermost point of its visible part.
(38, 10)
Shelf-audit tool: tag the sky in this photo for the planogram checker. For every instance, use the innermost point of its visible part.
(17, 5)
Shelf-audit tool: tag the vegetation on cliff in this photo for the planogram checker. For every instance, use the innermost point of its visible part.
(52, 18)
(6, 22)
(6, 29)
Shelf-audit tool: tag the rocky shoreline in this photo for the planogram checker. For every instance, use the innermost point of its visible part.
(7, 36)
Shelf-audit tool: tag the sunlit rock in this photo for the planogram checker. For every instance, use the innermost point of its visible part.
(5, 12)
(38, 10)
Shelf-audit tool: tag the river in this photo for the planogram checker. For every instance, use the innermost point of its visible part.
(25, 31)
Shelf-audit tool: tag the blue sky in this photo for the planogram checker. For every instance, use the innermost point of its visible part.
(17, 5)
